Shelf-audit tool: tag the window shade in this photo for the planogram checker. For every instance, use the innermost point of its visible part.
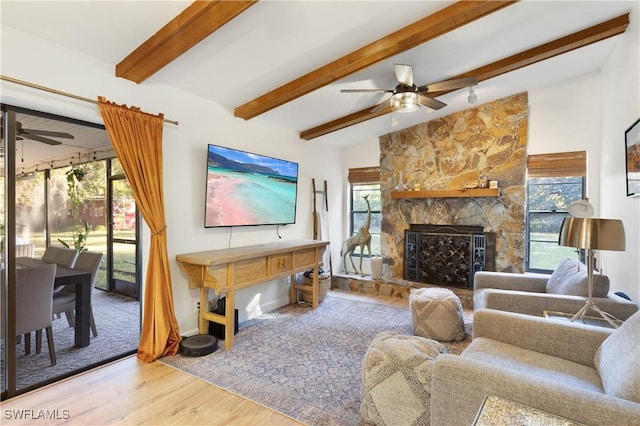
(364, 175)
(559, 164)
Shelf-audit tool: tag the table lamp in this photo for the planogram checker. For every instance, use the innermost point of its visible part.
(592, 234)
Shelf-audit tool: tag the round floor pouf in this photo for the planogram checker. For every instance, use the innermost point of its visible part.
(396, 380)
(436, 313)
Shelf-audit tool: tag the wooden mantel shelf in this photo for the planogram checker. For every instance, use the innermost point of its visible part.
(448, 193)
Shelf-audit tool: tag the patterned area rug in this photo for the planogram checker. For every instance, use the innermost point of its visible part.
(303, 362)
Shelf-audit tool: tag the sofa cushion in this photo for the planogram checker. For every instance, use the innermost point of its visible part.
(618, 361)
(571, 278)
(547, 368)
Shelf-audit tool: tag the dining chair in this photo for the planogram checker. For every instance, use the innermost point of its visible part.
(34, 295)
(25, 250)
(61, 256)
(65, 301)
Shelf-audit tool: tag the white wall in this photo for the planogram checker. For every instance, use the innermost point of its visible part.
(563, 118)
(201, 122)
(621, 108)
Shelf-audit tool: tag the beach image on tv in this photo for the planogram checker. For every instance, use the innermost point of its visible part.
(249, 189)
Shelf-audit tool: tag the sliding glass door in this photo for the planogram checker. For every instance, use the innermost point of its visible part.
(58, 183)
(124, 247)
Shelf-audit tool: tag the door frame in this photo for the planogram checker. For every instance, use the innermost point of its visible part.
(8, 273)
(111, 240)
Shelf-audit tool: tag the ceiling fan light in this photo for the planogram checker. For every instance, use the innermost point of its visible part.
(405, 102)
(473, 98)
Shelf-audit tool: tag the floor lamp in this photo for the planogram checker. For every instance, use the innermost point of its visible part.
(592, 234)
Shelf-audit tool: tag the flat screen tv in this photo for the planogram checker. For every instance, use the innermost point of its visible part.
(249, 189)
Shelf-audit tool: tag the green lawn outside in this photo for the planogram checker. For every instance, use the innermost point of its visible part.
(548, 254)
(124, 254)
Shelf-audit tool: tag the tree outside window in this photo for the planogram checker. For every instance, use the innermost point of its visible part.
(359, 214)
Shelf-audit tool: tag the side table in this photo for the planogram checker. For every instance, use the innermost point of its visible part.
(496, 411)
(584, 320)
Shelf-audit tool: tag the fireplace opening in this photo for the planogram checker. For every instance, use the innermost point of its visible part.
(447, 255)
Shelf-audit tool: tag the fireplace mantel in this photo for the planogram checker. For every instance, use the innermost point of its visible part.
(448, 193)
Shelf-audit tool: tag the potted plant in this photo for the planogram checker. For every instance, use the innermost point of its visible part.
(82, 228)
(76, 174)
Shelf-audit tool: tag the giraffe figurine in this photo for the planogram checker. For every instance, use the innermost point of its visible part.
(361, 239)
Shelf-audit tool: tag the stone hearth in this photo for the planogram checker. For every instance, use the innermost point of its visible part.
(392, 287)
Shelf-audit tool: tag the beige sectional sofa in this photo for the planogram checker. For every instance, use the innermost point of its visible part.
(587, 374)
(564, 291)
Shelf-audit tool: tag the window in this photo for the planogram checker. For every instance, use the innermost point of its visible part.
(363, 182)
(554, 181)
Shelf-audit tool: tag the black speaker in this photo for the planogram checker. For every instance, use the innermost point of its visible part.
(216, 329)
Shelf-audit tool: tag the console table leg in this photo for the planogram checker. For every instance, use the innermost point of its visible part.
(292, 290)
(229, 328)
(314, 287)
(203, 325)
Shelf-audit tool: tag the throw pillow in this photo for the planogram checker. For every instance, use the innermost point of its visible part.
(571, 278)
(618, 359)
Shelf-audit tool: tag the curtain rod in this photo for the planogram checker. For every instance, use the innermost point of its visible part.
(57, 92)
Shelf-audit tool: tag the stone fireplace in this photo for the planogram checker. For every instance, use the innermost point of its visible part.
(451, 153)
(445, 154)
(447, 255)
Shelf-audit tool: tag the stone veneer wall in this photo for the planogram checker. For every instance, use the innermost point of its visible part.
(448, 153)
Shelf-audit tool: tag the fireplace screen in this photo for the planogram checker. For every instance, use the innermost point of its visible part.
(445, 256)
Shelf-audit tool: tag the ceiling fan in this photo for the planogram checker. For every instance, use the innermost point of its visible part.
(407, 97)
(39, 135)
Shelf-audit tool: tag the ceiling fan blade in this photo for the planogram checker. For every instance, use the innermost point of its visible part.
(47, 133)
(40, 139)
(364, 90)
(448, 85)
(431, 102)
(404, 74)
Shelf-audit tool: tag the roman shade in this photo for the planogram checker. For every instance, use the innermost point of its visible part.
(557, 164)
(364, 175)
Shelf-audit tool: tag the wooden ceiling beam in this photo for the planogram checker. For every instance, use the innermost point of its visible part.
(183, 32)
(548, 50)
(428, 28)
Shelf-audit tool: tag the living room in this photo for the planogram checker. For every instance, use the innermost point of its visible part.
(586, 112)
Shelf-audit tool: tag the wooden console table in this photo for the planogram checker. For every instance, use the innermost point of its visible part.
(227, 270)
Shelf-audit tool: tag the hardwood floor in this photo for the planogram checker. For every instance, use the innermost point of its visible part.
(132, 392)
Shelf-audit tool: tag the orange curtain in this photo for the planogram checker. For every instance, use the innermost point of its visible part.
(137, 141)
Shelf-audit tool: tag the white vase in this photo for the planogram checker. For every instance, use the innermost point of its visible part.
(376, 267)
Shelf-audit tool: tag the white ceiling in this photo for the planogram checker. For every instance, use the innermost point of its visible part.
(274, 42)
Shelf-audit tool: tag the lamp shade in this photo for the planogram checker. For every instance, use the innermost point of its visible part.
(591, 233)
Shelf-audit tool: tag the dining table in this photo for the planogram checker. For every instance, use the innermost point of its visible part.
(82, 282)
